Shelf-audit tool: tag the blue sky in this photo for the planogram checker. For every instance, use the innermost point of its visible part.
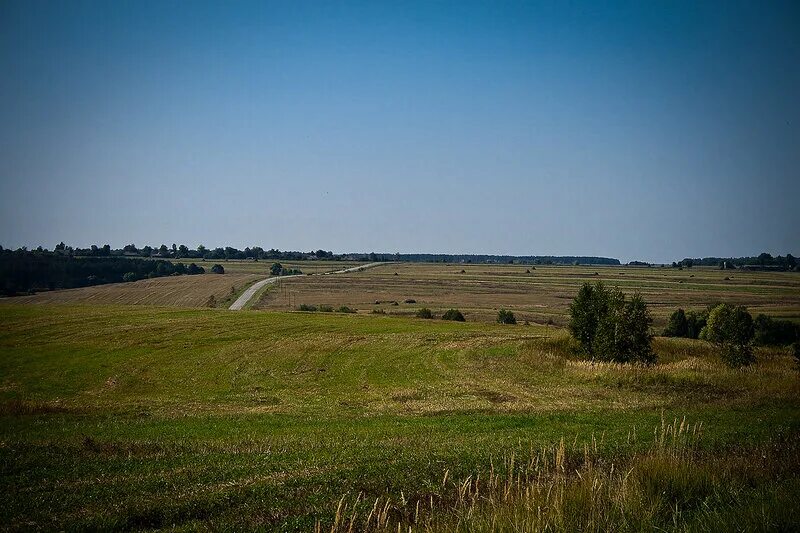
(637, 130)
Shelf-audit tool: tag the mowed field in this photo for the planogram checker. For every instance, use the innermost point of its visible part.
(138, 417)
(537, 294)
(180, 291)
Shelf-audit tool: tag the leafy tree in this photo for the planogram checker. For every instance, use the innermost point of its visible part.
(695, 322)
(731, 330)
(163, 251)
(130, 248)
(276, 269)
(218, 269)
(677, 325)
(506, 317)
(147, 251)
(129, 276)
(183, 251)
(610, 328)
(424, 313)
(453, 314)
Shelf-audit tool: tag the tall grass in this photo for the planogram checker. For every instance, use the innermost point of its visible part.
(574, 487)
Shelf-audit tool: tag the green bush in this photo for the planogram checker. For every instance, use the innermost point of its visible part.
(731, 330)
(610, 328)
(506, 317)
(326, 309)
(345, 309)
(453, 314)
(424, 313)
(129, 276)
(772, 332)
(677, 326)
(306, 307)
(218, 269)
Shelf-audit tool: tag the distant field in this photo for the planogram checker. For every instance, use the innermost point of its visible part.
(154, 418)
(171, 291)
(540, 295)
(262, 267)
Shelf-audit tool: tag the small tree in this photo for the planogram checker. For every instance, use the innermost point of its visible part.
(424, 313)
(453, 314)
(731, 330)
(218, 269)
(677, 325)
(276, 269)
(506, 317)
(610, 328)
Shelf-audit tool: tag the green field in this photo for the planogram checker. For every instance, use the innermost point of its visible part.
(147, 418)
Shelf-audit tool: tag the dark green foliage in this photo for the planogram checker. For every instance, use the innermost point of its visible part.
(695, 322)
(218, 269)
(772, 332)
(194, 269)
(453, 314)
(345, 309)
(276, 269)
(424, 313)
(309, 308)
(326, 309)
(23, 271)
(677, 325)
(731, 329)
(609, 328)
(506, 317)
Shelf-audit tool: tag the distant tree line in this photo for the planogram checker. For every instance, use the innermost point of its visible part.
(763, 261)
(258, 253)
(23, 271)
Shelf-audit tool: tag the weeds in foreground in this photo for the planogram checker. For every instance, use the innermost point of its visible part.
(566, 487)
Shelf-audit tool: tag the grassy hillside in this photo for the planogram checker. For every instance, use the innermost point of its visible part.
(139, 417)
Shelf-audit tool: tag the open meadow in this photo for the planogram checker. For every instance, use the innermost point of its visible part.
(140, 417)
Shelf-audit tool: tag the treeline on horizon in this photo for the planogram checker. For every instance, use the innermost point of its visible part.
(25, 272)
(256, 252)
(763, 261)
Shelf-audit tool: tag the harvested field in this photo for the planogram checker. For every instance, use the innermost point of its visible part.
(540, 295)
(172, 291)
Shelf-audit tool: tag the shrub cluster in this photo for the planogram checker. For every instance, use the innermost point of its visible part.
(506, 317)
(453, 314)
(424, 312)
(609, 327)
(687, 325)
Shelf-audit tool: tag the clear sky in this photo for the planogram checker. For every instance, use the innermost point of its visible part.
(637, 130)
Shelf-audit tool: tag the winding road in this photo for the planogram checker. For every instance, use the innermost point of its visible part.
(251, 291)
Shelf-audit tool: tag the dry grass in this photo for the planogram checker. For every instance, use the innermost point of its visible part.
(172, 291)
(572, 486)
(541, 295)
